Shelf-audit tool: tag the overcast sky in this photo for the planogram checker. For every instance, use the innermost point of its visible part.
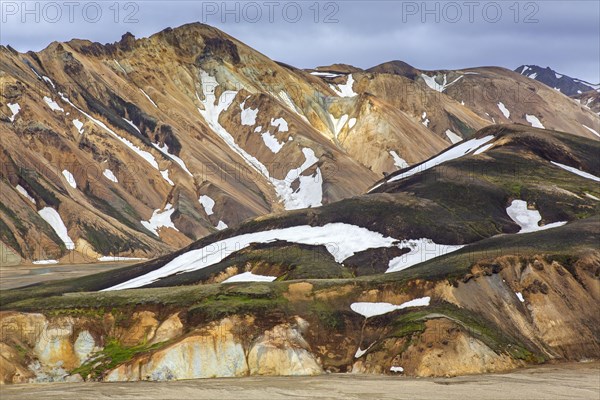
(564, 35)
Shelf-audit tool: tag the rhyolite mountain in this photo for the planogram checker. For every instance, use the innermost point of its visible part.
(561, 82)
(140, 147)
(482, 258)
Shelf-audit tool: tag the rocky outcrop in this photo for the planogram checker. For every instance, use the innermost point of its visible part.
(53, 349)
(283, 351)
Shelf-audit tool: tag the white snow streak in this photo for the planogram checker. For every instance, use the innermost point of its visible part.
(504, 110)
(421, 250)
(342, 241)
(398, 161)
(249, 277)
(149, 99)
(110, 176)
(52, 217)
(577, 171)
(24, 192)
(70, 178)
(369, 310)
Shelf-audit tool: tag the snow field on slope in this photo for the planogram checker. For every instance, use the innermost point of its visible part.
(528, 219)
(52, 217)
(342, 241)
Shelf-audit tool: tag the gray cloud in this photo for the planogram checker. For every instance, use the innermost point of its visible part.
(565, 37)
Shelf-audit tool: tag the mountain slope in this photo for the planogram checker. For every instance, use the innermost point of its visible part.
(494, 94)
(483, 258)
(140, 147)
(131, 135)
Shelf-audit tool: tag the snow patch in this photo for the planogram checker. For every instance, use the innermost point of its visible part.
(360, 352)
(221, 225)
(132, 125)
(45, 262)
(341, 240)
(119, 65)
(310, 188)
(424, 119)
(117, 258)
(165, 175)
(52, 104)
(24, 192)
(504, 110)
(369, 310)
(432, 82)
(248, 115)
(160, 219)
(49, 81)
(345, 90)
(271, 142)
(14, 109)
(534, 121)
(527, 219)
(338, 124)
(351, 123)
(398, 161)
(70, 178)
(454, 138)
(208, 203)
(483, 148)
(110, 176)
(520, 297)
(79, 125)
(325, 74)
(396, 369)
(280, 123)
(52, 217)
(249, 277)
(421, 250)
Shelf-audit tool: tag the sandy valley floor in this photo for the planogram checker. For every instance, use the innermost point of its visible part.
(22, 275)
(565, 381)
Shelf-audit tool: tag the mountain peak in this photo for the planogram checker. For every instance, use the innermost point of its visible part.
(561, 82)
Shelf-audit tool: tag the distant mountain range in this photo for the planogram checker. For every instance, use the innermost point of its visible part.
(565, 84)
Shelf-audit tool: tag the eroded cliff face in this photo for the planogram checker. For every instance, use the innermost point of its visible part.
(47, 349)
(507, 312)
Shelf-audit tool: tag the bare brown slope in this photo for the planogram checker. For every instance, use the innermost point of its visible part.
(138, 96)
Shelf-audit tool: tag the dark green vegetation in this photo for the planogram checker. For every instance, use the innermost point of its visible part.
(459, 202)
(113, 354)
